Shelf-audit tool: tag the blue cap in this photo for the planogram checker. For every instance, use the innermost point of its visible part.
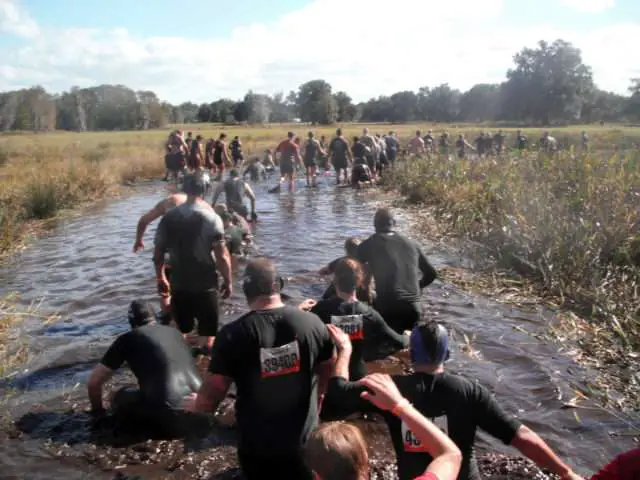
(419, 353)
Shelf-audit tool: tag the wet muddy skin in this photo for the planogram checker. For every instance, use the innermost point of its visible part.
(86, 272)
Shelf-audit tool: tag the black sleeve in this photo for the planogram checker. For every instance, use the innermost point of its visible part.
(363, 252)
(428, 272)
(492, 418)
(324, 343)
(386, 334)
(320, 311)
(226, 355)
(117, 353)
(332, 265)
(347, 395)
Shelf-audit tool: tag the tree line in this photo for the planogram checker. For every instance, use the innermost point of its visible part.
(547, 84)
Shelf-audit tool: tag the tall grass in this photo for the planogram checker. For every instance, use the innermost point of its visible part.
(570, 221)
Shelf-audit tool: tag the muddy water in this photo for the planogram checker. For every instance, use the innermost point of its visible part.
(85, 271)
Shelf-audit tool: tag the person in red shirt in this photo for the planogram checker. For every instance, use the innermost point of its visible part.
(289, 155)
(625, 466)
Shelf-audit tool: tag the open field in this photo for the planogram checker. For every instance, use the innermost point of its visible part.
(568, 222)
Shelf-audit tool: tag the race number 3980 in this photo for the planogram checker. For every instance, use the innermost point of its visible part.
(282, 360)
(352, 325)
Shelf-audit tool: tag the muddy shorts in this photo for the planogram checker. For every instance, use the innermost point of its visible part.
(309, 162)
(174, 162)
(339, 163)
(286, 167)
(186, 307)
(239, 208)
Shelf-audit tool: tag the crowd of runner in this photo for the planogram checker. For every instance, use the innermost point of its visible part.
(296, 365)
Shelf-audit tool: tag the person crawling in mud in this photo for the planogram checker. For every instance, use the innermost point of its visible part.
(164, 367)
(235, 189)
(235, 237)
(256, 171)
(364, 289)
(457, 405)
(280, 360)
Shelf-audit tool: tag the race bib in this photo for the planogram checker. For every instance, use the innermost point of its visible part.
(280, 360)
(352, 325)
(411, 443)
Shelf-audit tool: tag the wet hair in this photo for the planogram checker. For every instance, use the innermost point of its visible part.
(310, 134)
(429, 343)
(351, 246)
(356, 139)
(194, 184)
(338, 131)
(348, 275)
(236, 137)
(418, 133)
(290, 135)
(223, 136)
(337, 451)
(260, 279)
(199, 137)
(390, 133)
(383, 220)
(189, 134)
(140, 313)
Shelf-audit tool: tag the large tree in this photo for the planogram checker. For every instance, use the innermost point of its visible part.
(316, 103)
(548, 83)
(346, 109)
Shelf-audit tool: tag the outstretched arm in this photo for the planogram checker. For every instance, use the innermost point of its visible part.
(145, 220)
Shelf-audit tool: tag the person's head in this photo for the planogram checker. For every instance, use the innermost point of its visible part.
(291, 135)
(190, 134)
(310, 134)
(227, 219)
(323, 138)
(347, 276)
(519, 132)
(339, 132)
(351, 245)
(199, 138)
(337, 451)
(356, 139)
(461, 136)
(140, 313)
(365, 131)
(430, 132)
(260, 280)
(223, 136)
(233, 173)
(383, 220)
(429, 344)
(418, 133)
(268, 151)
(194, 184)
(391, 134)
(236, 138)
(220, 209)
(179, 133)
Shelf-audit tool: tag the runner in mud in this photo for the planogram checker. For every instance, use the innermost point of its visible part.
(161, 208)
(479, 141)
(381, 161)
(234, 236)
(364, 291)
(324, 158)
(370, 156)
(195, 160)
(256, 171)
(548, 143)
(416, 144)
(236, 151)
(462, 145)
(372, 338)
(189, 233)
(209, 148)
(280, 360)
(220, 156)
(498, 141)
(393, 146)
(429, 142)
(235, 189)
(176, 155)
(340, 155)
(338, 451)
(289, 156)
(361, 174)
(521, 141)
(312, 150)
(238, 221)
(164, 368)
(400, 271)
(267, 161)
(444, 143)
(454, 403)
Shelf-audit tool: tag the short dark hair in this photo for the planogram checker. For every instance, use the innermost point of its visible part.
(383, 221)
(351, 245)
(347, 275)
(194, 184)
(223, 135)
(356, 139)
(260, 279)
(141, 313)
(291, 134)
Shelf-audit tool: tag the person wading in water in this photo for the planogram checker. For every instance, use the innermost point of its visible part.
(235, 189)
(289, 156)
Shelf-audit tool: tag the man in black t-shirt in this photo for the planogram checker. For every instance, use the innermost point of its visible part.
(280, 359)
(400, 271)
(457, 405)
(165, 370)
(340, 155)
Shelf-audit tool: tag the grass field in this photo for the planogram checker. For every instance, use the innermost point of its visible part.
(568, 221)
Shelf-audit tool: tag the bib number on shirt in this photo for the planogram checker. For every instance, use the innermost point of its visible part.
(280, 360)
(411, 443)
(352, 325)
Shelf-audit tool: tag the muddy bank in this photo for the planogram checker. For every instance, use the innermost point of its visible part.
(86, 272)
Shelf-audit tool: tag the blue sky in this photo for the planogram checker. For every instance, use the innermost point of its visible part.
(201, 50)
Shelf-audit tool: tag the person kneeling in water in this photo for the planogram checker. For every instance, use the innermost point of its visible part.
(233, 234)
(164, 367)
(457, 404)
(235, 189)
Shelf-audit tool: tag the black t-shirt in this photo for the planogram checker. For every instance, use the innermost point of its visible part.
(359, 150)
(370, 336)
(271, 355)
(399, 267)
(456, 404)
(160, 360)
(339, 147)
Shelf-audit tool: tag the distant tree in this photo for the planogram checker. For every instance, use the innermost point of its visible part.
(377, 110)
(633, 107)
(404, 106)
(204, 113)
(548, 83)
(281, 110)
(442, 104)
(480, 103)
(346, 110)
(604, 106)
(316, 103)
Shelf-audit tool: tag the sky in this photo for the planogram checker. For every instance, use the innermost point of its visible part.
(202, 50)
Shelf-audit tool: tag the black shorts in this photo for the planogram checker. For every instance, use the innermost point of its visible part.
(371, 162)
(240, 209)
(309, 162)
(339, 163)
(400, 315)
(391, 156)
(186, 307)
(133, 412)
(283, 467)
(286, 168)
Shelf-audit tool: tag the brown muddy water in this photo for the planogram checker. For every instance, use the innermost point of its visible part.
(85, 271)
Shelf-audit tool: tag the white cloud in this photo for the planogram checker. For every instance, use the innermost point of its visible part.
(589, 6)
(15, 21)
(363, 50)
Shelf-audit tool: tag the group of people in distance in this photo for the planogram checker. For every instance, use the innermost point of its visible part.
(294, 365)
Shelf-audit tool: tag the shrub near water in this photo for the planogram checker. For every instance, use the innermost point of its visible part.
(570, 220)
